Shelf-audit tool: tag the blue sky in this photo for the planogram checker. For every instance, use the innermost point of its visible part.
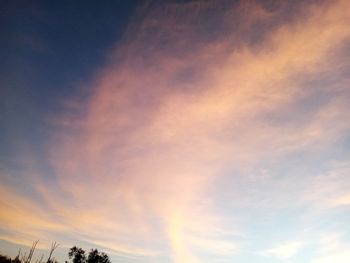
(177, 131)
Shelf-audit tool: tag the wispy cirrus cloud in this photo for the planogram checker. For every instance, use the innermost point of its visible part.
(181, 115)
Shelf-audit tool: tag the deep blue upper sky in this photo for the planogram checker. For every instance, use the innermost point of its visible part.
(47, 48)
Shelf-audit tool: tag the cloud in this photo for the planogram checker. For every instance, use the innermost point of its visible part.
(23, 220)
(332, 248)
(339, 257)
(330, 189)
(286, 250)
(343, 200)
(177, 110)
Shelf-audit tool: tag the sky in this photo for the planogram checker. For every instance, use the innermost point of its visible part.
(176, 131)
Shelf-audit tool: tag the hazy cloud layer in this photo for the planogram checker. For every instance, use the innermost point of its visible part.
(217, 131)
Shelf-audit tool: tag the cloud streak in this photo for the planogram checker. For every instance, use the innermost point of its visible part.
(185, 109)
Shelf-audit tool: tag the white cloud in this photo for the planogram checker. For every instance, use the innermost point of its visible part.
(286, 250)
(332, 249)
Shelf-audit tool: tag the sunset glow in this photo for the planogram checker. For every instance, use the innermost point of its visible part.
(203, 131)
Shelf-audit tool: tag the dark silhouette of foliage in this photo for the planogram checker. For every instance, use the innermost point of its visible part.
(31, 252)
(4, 259)
(97, 257)
(52, 249)
(16, 260)
(77, 255)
